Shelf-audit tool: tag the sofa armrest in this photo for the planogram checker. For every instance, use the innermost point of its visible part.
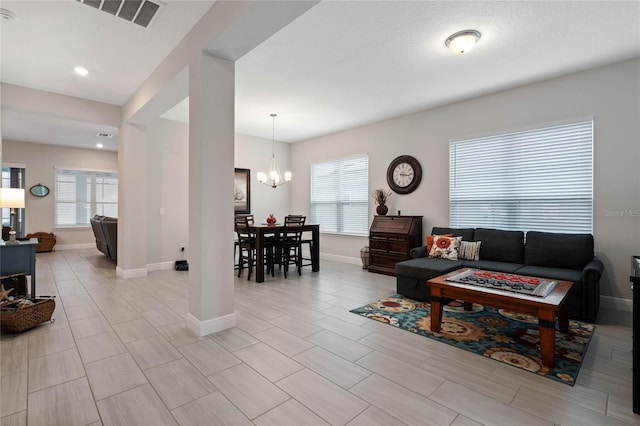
(417, 252)
(591, 274)
(592, 271)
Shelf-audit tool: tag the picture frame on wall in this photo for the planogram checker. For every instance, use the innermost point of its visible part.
(242, 191)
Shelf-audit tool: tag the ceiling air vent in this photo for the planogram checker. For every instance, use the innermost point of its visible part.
(139, 12)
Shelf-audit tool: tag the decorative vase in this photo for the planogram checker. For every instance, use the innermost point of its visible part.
(364, 256)
(271, 219)
(382, 209)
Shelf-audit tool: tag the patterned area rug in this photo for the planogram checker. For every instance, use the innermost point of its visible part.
(498, 334)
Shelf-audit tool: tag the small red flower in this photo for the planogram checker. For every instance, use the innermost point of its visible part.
(443, 243)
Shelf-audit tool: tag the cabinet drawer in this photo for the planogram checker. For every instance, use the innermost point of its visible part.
(378, 244)
(384, 259)
(398, 247)
(398, 238)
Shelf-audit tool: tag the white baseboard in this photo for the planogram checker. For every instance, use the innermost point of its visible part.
(74, 246)
(616, 303)
(159, 266)
(203, 328)
(131, 273)
(343, 259)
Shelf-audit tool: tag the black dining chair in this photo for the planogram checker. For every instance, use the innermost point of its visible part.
(290, 243)
(308, 240)
(246, 242)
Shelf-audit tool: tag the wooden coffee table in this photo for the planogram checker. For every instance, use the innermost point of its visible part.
(555, 304)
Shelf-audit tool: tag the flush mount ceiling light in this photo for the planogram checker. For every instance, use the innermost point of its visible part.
(81, 71)
(462, 41)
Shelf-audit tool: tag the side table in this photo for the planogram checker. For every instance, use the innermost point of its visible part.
(21, 257)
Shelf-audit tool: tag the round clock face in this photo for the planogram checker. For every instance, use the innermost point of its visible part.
(404, 174)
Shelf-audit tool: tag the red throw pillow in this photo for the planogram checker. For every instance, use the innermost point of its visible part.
(430, 241)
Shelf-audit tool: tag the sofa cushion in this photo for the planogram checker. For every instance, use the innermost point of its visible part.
(491, 265)
(553, 250)
(554, 273)
(430, 241)
(499, 245)
(469, 250)
(445, 247)
(465, 233)
(425, 268)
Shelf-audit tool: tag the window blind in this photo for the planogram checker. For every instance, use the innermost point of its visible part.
(81, 194)
(340, 195)
(538, 179)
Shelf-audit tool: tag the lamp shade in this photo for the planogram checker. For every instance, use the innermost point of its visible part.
(12, 198)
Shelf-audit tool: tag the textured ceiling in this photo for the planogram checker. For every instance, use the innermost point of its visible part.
(339, 65)
(344, 64)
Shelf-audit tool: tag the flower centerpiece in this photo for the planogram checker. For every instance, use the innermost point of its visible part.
(380, 196)
(271, 219)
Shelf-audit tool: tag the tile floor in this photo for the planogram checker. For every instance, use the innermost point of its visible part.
(120, 353)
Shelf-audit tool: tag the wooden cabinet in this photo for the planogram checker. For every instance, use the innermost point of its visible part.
(390, 240)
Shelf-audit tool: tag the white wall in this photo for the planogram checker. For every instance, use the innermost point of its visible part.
(167, 183)
(168, 152)
(611, 95)
(167, 191)
(255, 153)
(40, 161)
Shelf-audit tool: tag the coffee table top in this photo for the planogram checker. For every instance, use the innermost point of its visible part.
(555, 298)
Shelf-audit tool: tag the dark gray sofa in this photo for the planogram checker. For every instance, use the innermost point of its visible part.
(567, 257)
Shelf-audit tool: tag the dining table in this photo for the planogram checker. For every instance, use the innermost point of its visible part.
(262, 230)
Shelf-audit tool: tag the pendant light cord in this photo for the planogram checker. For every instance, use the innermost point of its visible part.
(273, 135)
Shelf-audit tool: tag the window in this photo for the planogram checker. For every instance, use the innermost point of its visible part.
(81, 194)
(532, 180)
(340, 195)
(13, 176)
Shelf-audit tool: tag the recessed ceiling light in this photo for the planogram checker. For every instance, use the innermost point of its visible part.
(7, 15)
(99, 145)
(462, 41)
(81, 71)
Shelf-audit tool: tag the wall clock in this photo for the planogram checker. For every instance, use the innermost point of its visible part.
(404, 174)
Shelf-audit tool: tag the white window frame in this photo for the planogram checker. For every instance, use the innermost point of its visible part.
(351, 205)
(83, 200)
(538, 179)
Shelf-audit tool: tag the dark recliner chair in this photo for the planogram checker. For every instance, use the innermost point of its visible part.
(105, 230)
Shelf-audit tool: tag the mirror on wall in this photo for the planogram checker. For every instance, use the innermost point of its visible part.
(39, 190)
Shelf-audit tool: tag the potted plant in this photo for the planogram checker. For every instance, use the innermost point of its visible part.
(380, 196)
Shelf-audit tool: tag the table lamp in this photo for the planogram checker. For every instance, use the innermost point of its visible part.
(12, 198)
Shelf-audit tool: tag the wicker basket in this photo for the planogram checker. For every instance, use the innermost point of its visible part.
(17, 283)
(46, 241)
(16, 320)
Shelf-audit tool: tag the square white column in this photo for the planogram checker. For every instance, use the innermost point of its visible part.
(132, 201)
(211, 173)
